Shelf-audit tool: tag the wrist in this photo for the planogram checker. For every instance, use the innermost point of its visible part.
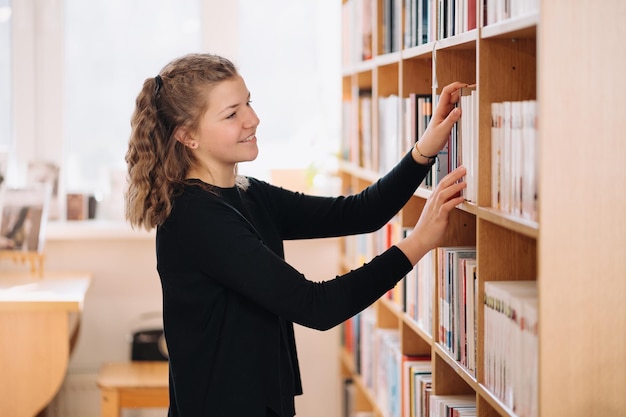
(413, 248)
(421, 157)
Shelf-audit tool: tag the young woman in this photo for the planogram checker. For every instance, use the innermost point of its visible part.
(229, 297)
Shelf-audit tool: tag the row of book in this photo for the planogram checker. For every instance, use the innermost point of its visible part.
(409, 23)
(356, 27)
(462, 147)
(495, 11)
(455, 17)
(358, 145)
(457, 303)
(418, 29)
(362, 248)
(510, 339)
(418, 288)
(401, 122)
(514, 163)
(400, 384)
(511, 344)
(453, 406)
(391, 26)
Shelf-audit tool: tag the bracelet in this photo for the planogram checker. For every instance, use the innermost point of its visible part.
(431, 159)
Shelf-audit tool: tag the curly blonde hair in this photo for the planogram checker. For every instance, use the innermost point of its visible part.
(157, 162)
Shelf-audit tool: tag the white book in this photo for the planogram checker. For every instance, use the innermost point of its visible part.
(500, 354)
(516, 157)
(440, 405)
(528, 391)
(506, 163)
(530, 163)
(496, 155)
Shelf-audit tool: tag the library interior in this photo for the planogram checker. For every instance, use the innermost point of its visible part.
(518, 310)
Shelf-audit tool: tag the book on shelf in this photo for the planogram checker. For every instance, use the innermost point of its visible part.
(357, 145)
(414, 368)
(469, 342)
(387, 384)
(418, 29)
(508, 354)
(452, 298)
(441, 167)
(367, 354)
(465, 145)
(391, 26)
(419, 291)
(389, 138)
(420, 393)
(452, 405)
(366, 144)
(455, 17)
(495, 11)
(496, 155)
(526, 402)
(462, 145)
(387, 236)
(514, 161)
(348, 397)
(417, 375)
(417, 114)
(357, 26)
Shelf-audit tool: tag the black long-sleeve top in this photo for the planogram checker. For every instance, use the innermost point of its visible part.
(229, 297)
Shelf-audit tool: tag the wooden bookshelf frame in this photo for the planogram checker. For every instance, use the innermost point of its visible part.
(577, 249)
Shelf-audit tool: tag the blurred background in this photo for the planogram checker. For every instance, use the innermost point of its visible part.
(69, 74)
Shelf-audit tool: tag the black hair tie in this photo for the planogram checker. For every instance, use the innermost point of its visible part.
(158, 81)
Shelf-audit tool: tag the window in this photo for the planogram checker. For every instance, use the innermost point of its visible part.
(290, 60)
(6, 113)
(111, 47)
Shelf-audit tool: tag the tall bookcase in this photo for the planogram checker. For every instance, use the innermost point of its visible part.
(568, 56)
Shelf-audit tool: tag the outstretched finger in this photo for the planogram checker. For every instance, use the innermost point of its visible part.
(452, 203)
(451, 92)
(453, 176)
(452, 191)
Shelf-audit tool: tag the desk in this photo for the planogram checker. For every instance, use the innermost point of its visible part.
(39, 323)
(134, 384)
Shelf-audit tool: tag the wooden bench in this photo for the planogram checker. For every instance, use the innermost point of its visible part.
(133, 384)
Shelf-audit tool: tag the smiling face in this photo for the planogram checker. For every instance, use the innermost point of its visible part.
(226, 134)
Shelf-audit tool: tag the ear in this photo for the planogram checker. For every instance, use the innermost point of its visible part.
(183, 136)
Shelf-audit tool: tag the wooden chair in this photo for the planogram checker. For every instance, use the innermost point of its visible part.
(133, 384)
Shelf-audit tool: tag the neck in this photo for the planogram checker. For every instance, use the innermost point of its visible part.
(219, 179)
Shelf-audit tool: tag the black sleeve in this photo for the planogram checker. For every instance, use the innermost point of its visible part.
(217, 243)
(302, 216)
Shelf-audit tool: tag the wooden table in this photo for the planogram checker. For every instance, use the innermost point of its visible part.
(133, 384)
(39, 323)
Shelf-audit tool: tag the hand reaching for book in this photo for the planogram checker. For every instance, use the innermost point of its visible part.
(433, 222)
(443, 119)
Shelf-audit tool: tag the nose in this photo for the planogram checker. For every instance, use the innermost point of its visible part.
(251, 120)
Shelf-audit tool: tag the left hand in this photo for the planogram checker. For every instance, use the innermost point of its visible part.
(433, 221)
(443, 119)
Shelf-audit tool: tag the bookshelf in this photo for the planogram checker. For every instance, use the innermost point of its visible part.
(566, 57)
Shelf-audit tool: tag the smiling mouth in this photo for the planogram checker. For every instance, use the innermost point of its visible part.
(248, 139)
